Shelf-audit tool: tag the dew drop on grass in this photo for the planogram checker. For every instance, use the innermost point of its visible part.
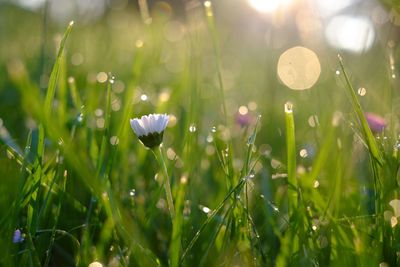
(139, 43)
(273, 206)
(313, 121)
(99, 112)
(251, 175)
(362, 91)
(214, 129)
(144, 97)
(132, 192)
(101, 77)
(210, 138)
(111, 80)
(395, 203)
(100, 123)
(192, 128)
(288, 107)
(337, 72)
(204, 209)
(393, 221)
(303, 153)
(80, 117)
(60, 141)
(316, 184)
(243, 110)
(114, 140)
(95, 264)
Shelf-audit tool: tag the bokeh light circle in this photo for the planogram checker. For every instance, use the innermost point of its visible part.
(299, 68)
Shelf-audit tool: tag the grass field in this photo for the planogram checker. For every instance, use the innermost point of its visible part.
(260, 175)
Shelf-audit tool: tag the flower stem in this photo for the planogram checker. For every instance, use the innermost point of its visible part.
(167, 186)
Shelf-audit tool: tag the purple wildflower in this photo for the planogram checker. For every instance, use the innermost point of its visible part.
(376, 123)
(17, 237)
(243, 120)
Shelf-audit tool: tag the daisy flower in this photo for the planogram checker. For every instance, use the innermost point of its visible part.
(150, 128)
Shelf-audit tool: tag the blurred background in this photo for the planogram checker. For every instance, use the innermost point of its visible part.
(252, 36)
(269, 52)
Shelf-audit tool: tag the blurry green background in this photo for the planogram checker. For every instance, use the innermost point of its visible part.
(167, 59)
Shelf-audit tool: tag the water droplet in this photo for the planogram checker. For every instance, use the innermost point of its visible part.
(396, 146)
(337, 72)
(252, 105)
(303, 153)
(214, 129)
(313, 121)
(393, 221)
(80, 117)
(139, 43)
(210, 138)
(95, 264)
(288, 107)
(192, 128)
(275, 208)
(251, 175)
(314, 227)
(243, 110)
(204, 209)
(60, 141)
(100, 123)
(112, 80)
(101, 77)
(393, 76)
(132, 192)
(99, 112)
(362, 91)
(144, 97)
(316, 184)
(114, 140)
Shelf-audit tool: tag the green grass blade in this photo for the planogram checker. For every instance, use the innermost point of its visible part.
(291, 157)
(51, 89)
(177, 225)
(369, 137)
(211, 217)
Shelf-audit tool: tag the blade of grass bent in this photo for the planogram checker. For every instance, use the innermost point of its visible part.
(211, 217)
(369, 137)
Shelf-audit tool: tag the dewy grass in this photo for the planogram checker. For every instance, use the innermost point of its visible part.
(291, 158)
(77, 187)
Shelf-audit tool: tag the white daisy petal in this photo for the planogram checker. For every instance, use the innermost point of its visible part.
(159, 124)
(165, 121)
(145, 124)
(137, 128)
(152, 123)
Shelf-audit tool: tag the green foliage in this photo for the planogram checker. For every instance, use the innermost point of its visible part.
(81, 187)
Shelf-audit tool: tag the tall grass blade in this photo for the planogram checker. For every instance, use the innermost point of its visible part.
(291, 158)
(51, 89)
(369, 137)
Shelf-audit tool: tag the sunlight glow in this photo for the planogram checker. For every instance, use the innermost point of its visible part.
(268, 6)
(354, 34)
(327, 8)
(299, 68)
